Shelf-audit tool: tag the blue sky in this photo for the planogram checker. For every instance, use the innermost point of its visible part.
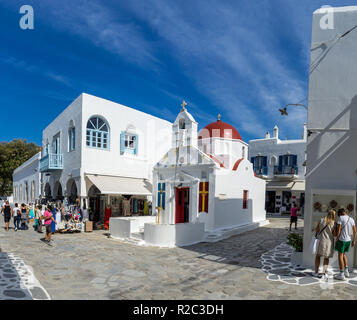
(241, 58)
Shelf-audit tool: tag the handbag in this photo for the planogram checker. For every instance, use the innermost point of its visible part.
(314, 245)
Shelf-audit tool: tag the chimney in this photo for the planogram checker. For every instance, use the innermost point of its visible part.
(267, 135)
(276, 132)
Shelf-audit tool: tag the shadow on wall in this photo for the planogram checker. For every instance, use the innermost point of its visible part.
(11, 285)
(340, 148)
(229, 212)
(242, 250)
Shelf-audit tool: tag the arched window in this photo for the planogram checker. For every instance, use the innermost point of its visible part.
(33, 191)
(71, 136)
(97, 133)
(182, 124)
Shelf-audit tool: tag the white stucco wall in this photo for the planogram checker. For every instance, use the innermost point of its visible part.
(332, 115)
(228, 206)
(72, 159)
(171, 235)
(225, 150)
(28, 173)
(154, 139)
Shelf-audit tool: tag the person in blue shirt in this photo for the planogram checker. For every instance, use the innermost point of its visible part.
(53, 223)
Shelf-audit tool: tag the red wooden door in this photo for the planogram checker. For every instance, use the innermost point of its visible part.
(182, 205)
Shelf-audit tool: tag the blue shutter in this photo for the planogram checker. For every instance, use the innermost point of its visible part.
(161, 187)
(294, 160)
(264, 161)
(122, 142)
(252, 161)
(280, 160)
(163, 195)
(136, 144)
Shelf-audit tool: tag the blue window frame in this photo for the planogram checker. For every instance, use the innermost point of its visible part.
(260, 164)
(97, 135)
(129, 143)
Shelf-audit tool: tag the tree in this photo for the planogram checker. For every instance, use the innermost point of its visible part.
(12, 155)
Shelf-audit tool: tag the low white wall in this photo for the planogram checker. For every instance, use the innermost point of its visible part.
(123, 227)
(136, 223)
(171, 235)
(119, 228)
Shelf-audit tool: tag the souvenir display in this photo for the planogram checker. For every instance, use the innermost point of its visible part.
(72, 221)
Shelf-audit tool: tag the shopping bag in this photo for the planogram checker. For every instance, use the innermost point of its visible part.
(314, 245)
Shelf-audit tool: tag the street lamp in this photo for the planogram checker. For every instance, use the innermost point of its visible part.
(284, 111)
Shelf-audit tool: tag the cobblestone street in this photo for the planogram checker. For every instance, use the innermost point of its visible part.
(93, 266)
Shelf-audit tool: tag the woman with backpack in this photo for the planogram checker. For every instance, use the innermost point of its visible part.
(326, 231)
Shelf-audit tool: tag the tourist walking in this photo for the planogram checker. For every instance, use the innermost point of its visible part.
(37, 216)
(326, 230)
(345, 227)
(7, 210)
(53, 223)
(24, 217)
(293, 216)
(16, 213)
(48, 216)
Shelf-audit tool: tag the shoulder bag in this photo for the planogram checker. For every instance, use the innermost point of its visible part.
(315, 241)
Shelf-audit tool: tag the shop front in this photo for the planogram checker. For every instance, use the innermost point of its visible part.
(281, 195)
(123, 196)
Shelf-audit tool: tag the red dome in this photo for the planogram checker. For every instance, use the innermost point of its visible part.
(219, 129)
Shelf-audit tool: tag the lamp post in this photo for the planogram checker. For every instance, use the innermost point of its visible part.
(284, 110)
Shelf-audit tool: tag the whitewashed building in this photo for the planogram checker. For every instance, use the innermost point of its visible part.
(97, 151)
(282, 164)
(204, 187)
(331, 177)
(27, 181)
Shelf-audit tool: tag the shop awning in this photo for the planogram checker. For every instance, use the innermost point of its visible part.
(279, 185)
(298, 186)
(121, 185)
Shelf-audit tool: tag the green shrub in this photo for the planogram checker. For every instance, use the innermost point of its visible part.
(295, 240)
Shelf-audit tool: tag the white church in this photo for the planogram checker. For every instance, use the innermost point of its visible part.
(204, 188)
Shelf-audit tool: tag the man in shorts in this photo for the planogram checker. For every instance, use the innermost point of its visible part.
(345, 227)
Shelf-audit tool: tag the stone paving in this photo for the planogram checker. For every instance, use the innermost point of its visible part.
(276, 263)
(17, 280)
(93, 266)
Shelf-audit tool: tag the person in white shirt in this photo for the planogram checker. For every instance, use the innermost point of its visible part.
(345, 227)
(17, 216)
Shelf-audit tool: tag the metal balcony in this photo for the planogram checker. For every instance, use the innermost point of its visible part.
(288, 171)
(262, 171)
(51, 162)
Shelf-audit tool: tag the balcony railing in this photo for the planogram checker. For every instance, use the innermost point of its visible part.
(51, 162)
(285, 170)
(262, 171)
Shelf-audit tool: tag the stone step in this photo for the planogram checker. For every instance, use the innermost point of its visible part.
(137, 235)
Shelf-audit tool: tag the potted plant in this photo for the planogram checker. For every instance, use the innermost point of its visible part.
(296, 241)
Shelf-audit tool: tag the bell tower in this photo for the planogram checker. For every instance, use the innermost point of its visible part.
(184, 129)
